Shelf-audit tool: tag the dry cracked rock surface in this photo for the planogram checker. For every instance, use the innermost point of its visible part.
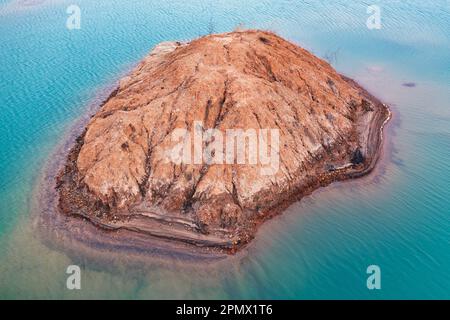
(119, 173)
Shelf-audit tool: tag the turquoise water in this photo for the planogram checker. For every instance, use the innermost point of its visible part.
(398, 218)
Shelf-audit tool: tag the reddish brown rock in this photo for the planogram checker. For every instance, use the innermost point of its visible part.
(119, 174)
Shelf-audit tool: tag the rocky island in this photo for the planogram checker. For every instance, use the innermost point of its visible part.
(160, 158)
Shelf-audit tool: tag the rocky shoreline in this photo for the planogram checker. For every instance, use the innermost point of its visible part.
(155, 226)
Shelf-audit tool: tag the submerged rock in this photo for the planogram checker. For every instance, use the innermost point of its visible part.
(409, 84)
(159, 157)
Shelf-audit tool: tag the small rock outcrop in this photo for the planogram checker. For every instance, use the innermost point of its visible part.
(301, 123)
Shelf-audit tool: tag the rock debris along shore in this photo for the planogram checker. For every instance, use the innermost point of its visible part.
(117, 175)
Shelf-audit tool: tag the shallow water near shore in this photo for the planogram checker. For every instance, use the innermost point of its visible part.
(397, 218)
